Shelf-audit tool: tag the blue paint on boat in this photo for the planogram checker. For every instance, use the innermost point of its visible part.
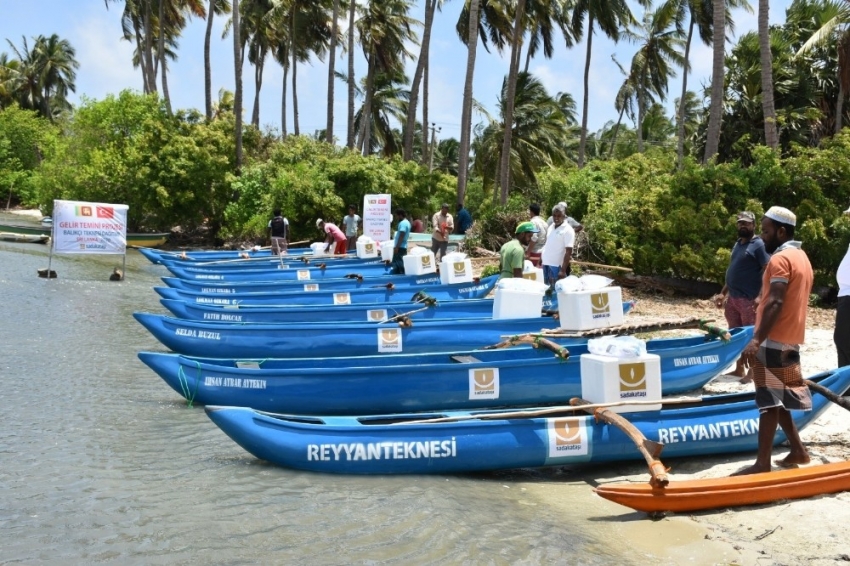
(516, 376)
(290, 271)
(391, 444)
(262, 286)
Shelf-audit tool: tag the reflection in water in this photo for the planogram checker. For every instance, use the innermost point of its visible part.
(102, 462)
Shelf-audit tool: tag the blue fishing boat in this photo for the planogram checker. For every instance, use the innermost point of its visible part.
(520, 375)
(482, 440)
(305, 340)
(290, 262)
(156, 256)
(290, 271)
(467, 308)
(296, 285)
(455, 291)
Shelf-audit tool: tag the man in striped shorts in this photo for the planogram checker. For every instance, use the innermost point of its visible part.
(743, 282)
(780, 329)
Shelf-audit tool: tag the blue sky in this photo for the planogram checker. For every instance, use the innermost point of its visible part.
(106, 67)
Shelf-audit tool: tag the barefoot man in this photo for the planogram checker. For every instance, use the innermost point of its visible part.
(780, 329)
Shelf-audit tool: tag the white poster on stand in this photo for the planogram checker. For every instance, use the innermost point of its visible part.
(89, 227)
(377, 217)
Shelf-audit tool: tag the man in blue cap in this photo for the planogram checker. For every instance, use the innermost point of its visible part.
(513, 253)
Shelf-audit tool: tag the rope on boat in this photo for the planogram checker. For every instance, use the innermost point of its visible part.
(536, 341)
(423, 297)
(184, 384)
(643, 326)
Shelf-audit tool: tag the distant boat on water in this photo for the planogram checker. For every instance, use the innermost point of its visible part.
(153, 240)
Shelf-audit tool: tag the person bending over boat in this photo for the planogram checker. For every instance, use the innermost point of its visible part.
(401, 238)
(334, 236)
(512, 254)
(780, 329)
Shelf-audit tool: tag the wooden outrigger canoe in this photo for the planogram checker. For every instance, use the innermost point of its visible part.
(466, 441)
(717, 493)
(152, 240)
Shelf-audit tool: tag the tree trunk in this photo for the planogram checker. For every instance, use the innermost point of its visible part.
(366, 115)
(329, 128)
(283, 101)
(639, 129)
(162, 57)
(148, 52)
(258, 85)
(771, 137)
(207, 68)
(839, 108)
(295, 129)
(466, 114)
(616, 131)
(350, 141)
(425, 75)
(516, 47)
(680, 149)
(407, 152)
(140, 48)
(582, 143)
(715, 113)
(237, 95)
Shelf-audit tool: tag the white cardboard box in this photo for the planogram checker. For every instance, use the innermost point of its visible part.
(387, 250)
(510, 303)
(455, 271)
(606, 379)
(367, 249)
(420, 264)
(586, 310)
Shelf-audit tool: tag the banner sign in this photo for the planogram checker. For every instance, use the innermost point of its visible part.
(377, 217)
(89, 227)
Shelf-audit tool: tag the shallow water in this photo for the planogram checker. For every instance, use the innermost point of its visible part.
(102, 462)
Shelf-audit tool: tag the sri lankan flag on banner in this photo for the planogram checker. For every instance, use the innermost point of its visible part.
(83, 211)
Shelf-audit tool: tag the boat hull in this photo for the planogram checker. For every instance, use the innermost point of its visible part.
(423, 382)
(289, 271)
(133, 239)
(456, 291)
(391, 444)
(736, 491)
(283, 285)
(209, 339)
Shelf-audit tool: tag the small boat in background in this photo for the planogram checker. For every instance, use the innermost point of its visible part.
(23, 238)
(47, 222)
(133, 239)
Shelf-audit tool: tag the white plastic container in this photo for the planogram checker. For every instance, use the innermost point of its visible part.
(457, 271)
(318, 249)
(387, 250)
(420, 264)
(606, 379)
(510, 303)
(586, 310)
(368, 249)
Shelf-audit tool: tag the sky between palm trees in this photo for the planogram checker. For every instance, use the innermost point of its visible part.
(105, 64)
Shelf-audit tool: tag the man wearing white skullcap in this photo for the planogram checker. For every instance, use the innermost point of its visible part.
(780, 329)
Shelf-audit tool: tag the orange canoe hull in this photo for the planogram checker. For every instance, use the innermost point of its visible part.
(696, 495)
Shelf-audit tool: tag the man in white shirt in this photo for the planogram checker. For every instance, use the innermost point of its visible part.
(558, 249)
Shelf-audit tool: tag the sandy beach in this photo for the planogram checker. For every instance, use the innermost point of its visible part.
(811, 531)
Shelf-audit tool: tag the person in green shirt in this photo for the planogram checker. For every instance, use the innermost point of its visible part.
(512, 254)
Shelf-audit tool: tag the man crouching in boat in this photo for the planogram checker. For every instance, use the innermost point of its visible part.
(779, 331)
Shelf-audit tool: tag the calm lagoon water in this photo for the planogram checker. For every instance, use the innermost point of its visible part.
(100, 461)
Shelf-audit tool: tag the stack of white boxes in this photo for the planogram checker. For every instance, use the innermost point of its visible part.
(532, 273)
(455, 268)
(608, 379)
(420, 264)
(586, 310)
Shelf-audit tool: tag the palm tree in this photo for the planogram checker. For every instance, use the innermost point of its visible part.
(466, 112)
(329, 129)
(58, 70)
(219, 7)
(237, 96)
(835, 28)
(516, 46)
(715, 113)
(384, 29)
(770, 135)
(389, 103)
(349, 143)
(410, 123)
(611, 16)
(659, 47)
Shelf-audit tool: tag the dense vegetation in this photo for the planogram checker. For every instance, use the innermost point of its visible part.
(655, 192)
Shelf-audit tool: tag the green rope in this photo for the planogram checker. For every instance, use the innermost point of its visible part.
(184, 384)
(714, 330)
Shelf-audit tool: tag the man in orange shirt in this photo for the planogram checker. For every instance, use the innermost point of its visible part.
(780, 329)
